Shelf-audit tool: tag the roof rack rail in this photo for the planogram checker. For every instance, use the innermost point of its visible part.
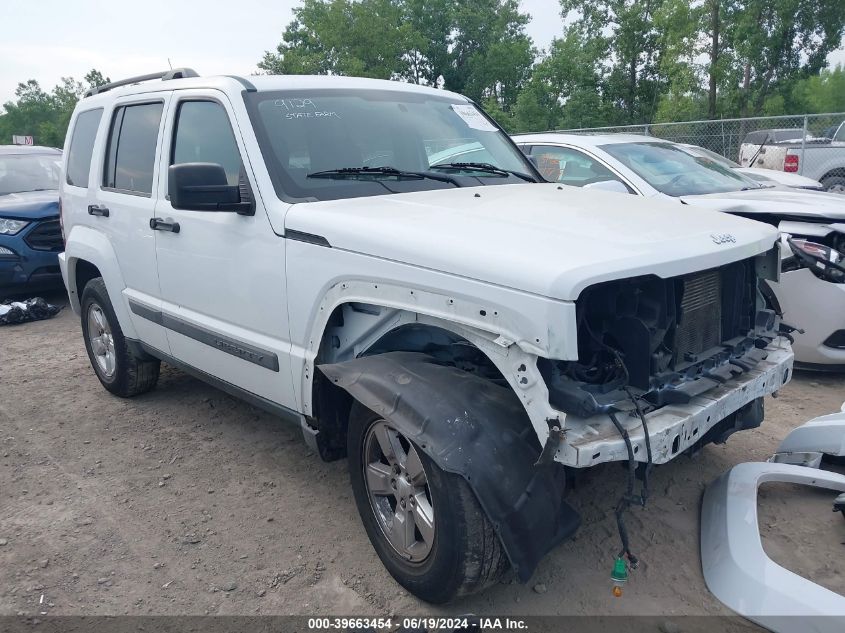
(176, 73)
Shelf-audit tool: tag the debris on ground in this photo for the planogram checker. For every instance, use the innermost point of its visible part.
(35, 309)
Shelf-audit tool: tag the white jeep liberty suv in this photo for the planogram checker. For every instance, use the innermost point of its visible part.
(378, 263)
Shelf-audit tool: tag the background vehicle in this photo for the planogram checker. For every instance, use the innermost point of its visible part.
(763, 176)
(657, 169)
(821, 159)
(291, 240)
(30, 238)
(752, 142)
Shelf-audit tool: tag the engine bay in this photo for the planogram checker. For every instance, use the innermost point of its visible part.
(664, 341)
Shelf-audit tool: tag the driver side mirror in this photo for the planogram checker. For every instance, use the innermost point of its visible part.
(204, 187)
(608, 185)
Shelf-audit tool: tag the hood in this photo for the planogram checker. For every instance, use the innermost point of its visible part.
(781, 201)
(30, 205)
(546, 239)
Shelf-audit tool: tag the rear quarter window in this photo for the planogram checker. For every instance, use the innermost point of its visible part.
(82, 147)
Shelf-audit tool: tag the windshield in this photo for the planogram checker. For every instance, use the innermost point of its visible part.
(671, 170)
(28, 172)
(429, 142)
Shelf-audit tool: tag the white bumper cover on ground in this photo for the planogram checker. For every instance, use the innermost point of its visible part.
(806, 444)
(737, 570)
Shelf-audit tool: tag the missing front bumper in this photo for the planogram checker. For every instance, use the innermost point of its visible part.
(673, 428)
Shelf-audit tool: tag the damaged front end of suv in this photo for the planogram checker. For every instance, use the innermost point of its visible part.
(668, 339)
(666, 349)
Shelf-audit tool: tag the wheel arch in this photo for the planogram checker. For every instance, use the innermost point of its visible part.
(487, 326)
(399, 332)
(836, 172)
(90, 254)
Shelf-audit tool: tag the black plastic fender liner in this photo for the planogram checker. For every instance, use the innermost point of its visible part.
(475, 428)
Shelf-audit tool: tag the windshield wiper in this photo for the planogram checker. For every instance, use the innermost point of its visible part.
(759, 149)
(354, 172)
(485, 167)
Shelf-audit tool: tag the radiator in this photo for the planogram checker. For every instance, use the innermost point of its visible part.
(700, 323)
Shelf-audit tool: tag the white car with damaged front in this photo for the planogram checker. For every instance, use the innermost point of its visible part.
(811, 292)
(442, 324)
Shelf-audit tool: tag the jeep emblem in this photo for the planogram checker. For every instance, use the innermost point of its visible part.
(722, 238)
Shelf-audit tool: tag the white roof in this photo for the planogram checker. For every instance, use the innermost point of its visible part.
(584, 140)
(267, 82)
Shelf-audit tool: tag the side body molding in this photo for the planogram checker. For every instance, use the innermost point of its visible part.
(478, 430)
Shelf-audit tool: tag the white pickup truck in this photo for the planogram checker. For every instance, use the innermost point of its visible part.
(459, 330)
(821, 159)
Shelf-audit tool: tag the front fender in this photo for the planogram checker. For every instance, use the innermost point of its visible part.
(478, 430)
(84, 243)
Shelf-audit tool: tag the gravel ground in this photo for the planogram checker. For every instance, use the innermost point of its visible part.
(187, 501)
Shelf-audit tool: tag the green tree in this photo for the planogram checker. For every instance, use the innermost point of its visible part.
(633, 44)
(775, 43)
(364, 38)
(42, 115)
(821, 93)
(565, 88)
(478, 47)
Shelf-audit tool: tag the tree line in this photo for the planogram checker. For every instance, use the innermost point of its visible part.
(45, 115)
(615, 62)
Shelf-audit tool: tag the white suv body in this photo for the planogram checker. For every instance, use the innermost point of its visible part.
(311, 270)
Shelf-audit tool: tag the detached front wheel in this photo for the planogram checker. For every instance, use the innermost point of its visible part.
(424, 523)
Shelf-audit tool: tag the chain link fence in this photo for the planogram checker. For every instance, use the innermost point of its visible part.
(811, 145)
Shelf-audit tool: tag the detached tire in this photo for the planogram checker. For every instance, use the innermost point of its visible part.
(119, 370)
(425, 523)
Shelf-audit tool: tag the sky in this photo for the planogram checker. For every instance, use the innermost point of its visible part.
(49, 39)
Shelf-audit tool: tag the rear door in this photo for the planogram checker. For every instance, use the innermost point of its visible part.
(222, 274)
(126, 201)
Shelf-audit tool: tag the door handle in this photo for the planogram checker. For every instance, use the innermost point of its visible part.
(95, 209)
(157, 224)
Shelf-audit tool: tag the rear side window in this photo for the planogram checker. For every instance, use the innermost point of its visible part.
(204, 135)
(755, 137)
(130, 157)
(82, 146)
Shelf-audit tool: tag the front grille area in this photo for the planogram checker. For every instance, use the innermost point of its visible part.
(700, 324)
(46, 236)
(668, 339)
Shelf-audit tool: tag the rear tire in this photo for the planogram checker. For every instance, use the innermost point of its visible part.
(462, 553)
(834, 184)
(119, 370)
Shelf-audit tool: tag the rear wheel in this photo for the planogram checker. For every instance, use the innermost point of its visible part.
(834, 184)
(118, 368)
(424, 523)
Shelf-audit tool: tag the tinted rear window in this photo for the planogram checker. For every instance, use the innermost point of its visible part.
(132, 147)
(82, 146)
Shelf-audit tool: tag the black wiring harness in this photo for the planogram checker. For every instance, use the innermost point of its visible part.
(628, 497)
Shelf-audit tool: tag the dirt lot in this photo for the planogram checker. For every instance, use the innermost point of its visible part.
(187, 501)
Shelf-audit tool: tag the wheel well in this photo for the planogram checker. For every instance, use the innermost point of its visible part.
(85, 272)
(839, 171)
(355, 330)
